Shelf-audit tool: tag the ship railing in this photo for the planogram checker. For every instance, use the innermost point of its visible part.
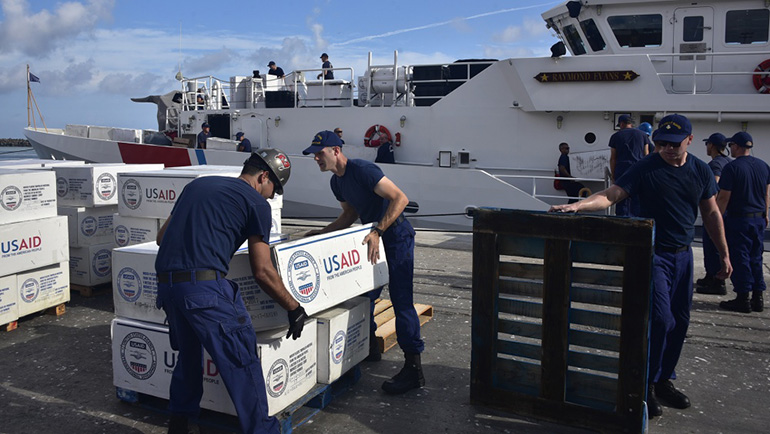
(213, 91)
(702, 57)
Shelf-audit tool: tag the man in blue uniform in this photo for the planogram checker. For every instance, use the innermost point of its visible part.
(571, 187)
(211, 219)
(275, 70)
(203, 135)
(245, 144)
(672, 185)
(628, 146)
(743, 199)
(364, 191)
(327, 73)
(715, 148)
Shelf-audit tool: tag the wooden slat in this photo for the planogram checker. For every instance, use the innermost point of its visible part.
(521, 287)
(521, 246)
(609, 321)
(386, 324)
(600, 341)
(596, 362)
(596, 276)
(518, 307)
(519, 328)
(556, 284)
(594, 387)
(602, 297)
(521, 270)
(11, 326)
(483, 310)
(595, 252)
(57, 310)
(520, 349)
(516, 375)
(381, 305)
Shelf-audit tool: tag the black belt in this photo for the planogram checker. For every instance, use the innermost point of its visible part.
(662, 249)
(187, 276)
(753, 215)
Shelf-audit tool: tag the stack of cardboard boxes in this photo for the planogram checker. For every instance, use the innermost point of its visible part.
(34, 271)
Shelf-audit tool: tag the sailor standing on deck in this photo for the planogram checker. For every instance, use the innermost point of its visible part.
(211, 219)
(203, 135)
(672, 185)
(744, 197)
(327, 72)
(365, 192)
(629, 145)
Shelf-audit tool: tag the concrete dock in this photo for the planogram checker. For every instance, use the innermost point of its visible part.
(57, 371)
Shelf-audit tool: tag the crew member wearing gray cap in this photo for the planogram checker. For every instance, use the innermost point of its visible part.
(743, 199)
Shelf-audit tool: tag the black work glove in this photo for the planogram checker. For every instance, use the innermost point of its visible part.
(297, 319)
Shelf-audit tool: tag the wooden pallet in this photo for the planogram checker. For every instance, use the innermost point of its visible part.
(57, 310)
(13, 325)
(385, 317)
(92, 291)
(290, 418)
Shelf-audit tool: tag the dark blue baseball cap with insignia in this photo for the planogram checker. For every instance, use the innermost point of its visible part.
(324, 139)
(673, 128)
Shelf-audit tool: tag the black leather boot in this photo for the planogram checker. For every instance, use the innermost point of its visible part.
(653, 406)
(409, 378)
(739, 304)
(757, 301)
(374, 349)
(178, 424)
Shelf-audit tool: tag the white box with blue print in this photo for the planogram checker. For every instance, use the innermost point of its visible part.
(93, 184)
(9, 299)
(91, 265)
(26, 194)
(89, 226)
(343, 338)
(129, 231)
(33, 244)
(43, 288)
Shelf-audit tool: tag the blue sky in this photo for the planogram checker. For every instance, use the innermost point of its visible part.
(93, 55)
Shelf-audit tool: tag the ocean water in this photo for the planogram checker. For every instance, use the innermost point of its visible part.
(16, 153)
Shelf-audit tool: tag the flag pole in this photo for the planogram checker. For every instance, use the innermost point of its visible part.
(28, 93)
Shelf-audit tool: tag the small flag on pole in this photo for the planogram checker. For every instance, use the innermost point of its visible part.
(33, 78)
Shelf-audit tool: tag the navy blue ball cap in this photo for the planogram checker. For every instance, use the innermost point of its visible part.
(625, 119)
(717, 139)
(238, 135)
(271, 63)
(322, 140)
(205, 125)
(673, 128)
(742, 139)
(324, 55)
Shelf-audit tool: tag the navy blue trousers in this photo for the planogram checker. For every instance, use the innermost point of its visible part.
(670, 314)
(745, 239)
(398, 241)
(710, 255)
(211, 315)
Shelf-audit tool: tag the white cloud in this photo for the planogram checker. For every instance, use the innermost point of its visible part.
(38, 34)
(208, 62)
(508, 35)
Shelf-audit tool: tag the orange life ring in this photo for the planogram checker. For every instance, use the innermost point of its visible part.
(762, 82)
(381, 133)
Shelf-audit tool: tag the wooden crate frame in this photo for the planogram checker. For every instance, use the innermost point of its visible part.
(568, 275)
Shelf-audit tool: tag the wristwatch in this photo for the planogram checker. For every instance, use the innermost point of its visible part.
(378, 230)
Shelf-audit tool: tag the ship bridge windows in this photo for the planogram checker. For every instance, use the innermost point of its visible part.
(749, 26)
(593, 36)
(632, 31)
(573, 39)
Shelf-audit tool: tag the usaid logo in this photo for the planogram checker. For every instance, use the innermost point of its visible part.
(29, 290)
(122, 236)
(11, 198)
(304, 278)
(105, 186)
(88, 226)
(102, 262)
(62, 186)
(277, 378)
(338, 347)
(138, 355)
(129, 284)
(131, 195)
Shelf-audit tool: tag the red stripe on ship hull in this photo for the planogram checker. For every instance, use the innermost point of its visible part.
(136, 153)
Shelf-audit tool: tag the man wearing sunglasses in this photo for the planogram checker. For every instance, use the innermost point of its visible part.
(743, 199)
(672, 185)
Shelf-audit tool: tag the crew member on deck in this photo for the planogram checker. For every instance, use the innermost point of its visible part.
(571, 187)
(203, 135)
(327, 73)
(275, 70)
(245, 144)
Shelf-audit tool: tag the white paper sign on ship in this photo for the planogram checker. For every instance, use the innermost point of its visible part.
(325, 270)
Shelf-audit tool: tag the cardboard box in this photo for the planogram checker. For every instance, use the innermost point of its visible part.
(33, 244)
(91, 265)
(135, 287)
(275, 203)
(343, 338)
(9, 299)
(43, 288)
(129, 231)
(26, 194)
(325, 270)
(153, 193)
(89, 226)
(143, 361)
(93, 184)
